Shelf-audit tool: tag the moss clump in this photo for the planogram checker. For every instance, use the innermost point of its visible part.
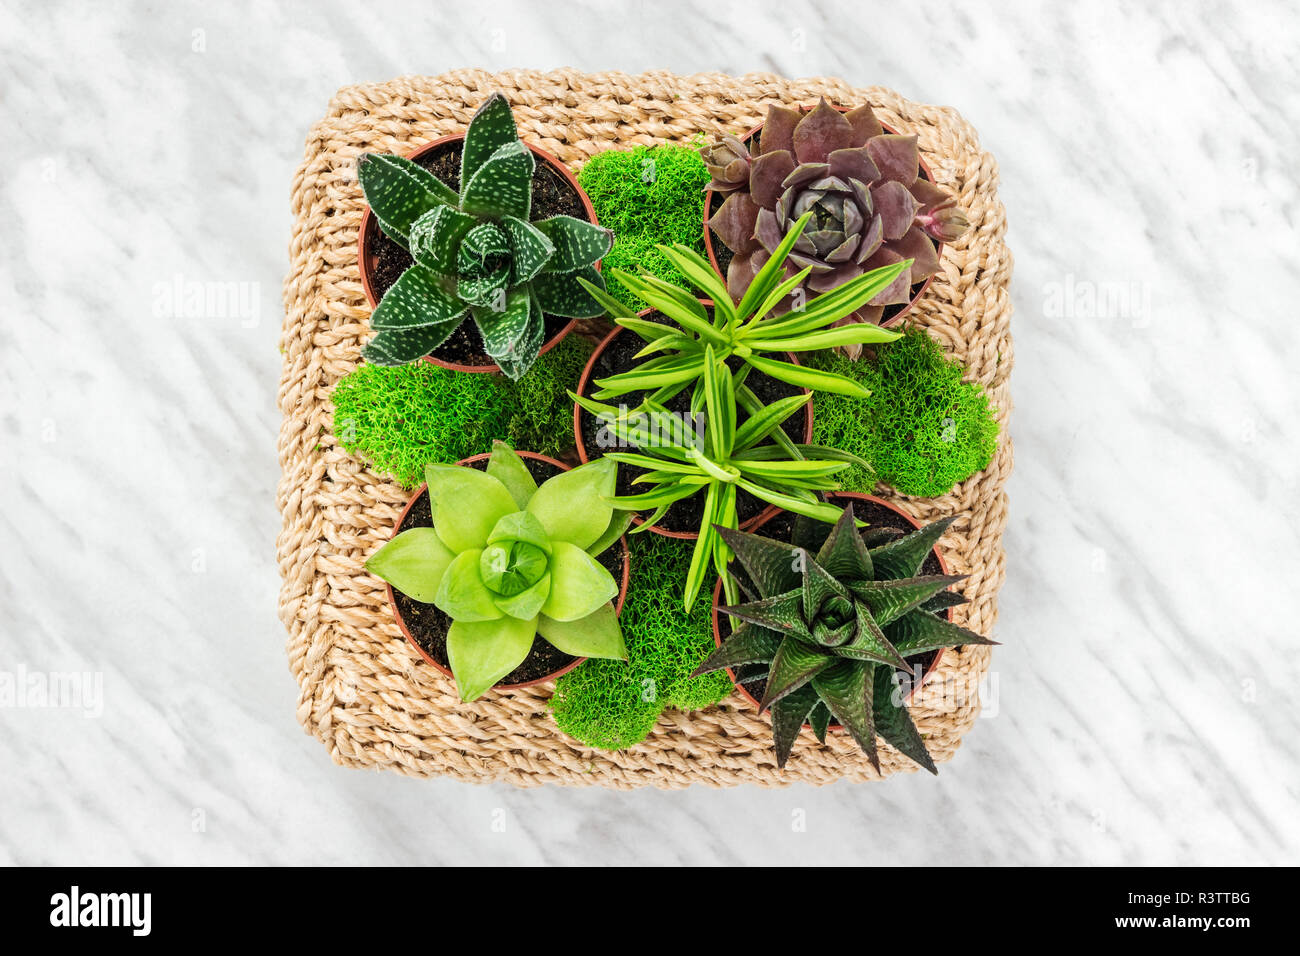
(647, 195)
(614, 704)
(922, 429)
(400, 418)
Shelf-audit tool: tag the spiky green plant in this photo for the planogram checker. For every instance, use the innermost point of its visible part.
(748, 330)
(507, 560)
(680, 462)
(834, 616)
(477, 252)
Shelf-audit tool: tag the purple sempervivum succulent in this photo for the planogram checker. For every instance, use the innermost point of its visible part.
(870, 206)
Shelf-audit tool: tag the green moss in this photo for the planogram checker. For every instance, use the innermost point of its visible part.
(922, 429)
(403, 417)
(647, 195)
(612, 704)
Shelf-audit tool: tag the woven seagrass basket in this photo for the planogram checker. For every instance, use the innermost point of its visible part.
(362, 690)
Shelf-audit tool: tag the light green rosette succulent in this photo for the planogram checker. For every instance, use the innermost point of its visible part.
(507, 560)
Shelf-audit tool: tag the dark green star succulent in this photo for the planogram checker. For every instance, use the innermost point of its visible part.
(837, 612)
(478, 253)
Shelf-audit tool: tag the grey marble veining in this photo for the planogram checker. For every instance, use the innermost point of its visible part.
(1145, 709)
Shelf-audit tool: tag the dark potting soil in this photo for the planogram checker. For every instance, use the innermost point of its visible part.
(724, 255)
(552, 196)
(684, 515)
(428, 625)
(780, 528)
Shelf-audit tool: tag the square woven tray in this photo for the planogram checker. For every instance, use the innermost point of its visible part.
(363, 691)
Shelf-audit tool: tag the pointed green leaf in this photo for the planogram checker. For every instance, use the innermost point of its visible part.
(820, 718)
(944, 600)
(810, 534)
(891, 599)
(768, 419)
(775, 298)
(859, 333)
(505, 331)
(903, 557)
(788, 716)
(773, 271)
(638, 379)
(619, 522)
(492, 127)
(674, 305)
(871, 643)
(790, 501)
(847, 689)
(417, 300)
(700, 274)
(919, 632)
(462, 595)
(894, 723)
(703, 550)
(645, 329)
(805, 377)
(502, 186)
(522, 357)
(573, 506)
(832, 306)
(467, 504)
(413, 562)
(668, 343)
(530, 250)
(794, 665)
(596, 635)
(748, 644)
(780, 472)
(611, 305)
(561, 293)
(578, 243)
(436, 237)
(579, 584)
(399, 191)
(843, 554)
(681, 301)
(660, 497)
(399, 346)
(481, 653)
(774, 566)
(509, 469)
(720, 403)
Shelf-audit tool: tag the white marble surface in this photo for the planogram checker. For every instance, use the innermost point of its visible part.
(1147, 685)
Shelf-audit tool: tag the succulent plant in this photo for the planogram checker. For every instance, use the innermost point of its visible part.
(507, 560)
(863, 187)
(680, 462)
(747, 330)
(477, 253)
(728, 161)
(836, 613)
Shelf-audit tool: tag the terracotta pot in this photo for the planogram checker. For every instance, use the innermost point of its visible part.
(368, 240)
(392, 601)
(585, 379)
(842, 496)
(713, 257)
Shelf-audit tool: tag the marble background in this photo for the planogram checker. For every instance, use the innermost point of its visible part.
(1146, 709)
